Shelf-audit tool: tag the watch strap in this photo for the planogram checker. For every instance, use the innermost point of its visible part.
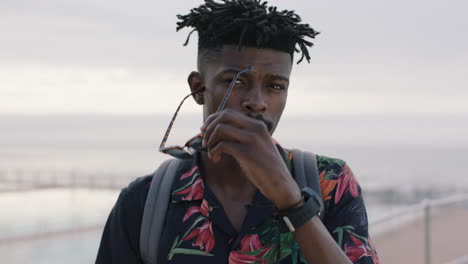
(296, 217)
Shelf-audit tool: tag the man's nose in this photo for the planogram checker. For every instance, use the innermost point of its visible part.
(254, 101)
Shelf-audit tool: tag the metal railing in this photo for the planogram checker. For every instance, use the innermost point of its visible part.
(24, 180)
(425, 211)
(462, 260)
(17, 180)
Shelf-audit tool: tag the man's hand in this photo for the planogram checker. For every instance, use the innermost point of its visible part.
(249, 142)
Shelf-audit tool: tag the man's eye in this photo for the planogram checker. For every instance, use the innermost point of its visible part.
(277, 87)
(229, 81)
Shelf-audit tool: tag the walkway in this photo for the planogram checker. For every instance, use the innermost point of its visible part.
(406, 245)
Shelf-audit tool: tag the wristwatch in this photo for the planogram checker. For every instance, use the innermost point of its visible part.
(296, 217)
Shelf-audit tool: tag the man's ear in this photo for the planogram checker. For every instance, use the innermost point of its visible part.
(195, 82)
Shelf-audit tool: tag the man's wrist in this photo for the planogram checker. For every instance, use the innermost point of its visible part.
(288, 199)
(296, 217)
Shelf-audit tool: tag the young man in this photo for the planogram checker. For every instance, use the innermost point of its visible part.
(225, 208)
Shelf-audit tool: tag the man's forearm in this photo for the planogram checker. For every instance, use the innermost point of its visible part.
(317, 245)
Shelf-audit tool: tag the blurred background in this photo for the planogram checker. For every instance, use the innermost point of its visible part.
(87, 89)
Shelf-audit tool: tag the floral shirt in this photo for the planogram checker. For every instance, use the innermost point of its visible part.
(197, 230)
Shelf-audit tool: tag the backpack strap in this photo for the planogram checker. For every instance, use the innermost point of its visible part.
(156, 205)
(306, 173)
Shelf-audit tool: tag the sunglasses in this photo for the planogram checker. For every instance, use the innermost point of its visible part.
(195, 143)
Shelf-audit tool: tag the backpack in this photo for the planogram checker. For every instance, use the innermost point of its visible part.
(159, 194)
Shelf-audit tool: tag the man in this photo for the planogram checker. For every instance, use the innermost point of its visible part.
(225, 207)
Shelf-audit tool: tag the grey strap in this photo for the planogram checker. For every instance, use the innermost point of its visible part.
(306, 173)
(156, 206)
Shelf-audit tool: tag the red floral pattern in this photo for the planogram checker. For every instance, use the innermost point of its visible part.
(204, 209)
(249, 244)
(204, 237)
(346, 181)
(327, 186)
(189, 173)
(359, 250)
(194, 191)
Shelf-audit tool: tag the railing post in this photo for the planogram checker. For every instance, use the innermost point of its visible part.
(19, 179)
(73, 179)
(427, 232)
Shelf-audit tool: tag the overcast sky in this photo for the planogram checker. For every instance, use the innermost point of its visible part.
(121, 56)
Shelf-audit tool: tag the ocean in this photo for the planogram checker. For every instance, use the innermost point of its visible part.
(422, 151)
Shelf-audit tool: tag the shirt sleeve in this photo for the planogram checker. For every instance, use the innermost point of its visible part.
(121, 235)
(346, 217)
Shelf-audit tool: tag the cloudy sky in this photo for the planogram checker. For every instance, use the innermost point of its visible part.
(121, 56)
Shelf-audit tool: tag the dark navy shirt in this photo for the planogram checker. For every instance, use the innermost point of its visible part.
(197, 230)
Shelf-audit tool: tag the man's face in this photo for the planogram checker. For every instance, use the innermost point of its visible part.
(260, 93)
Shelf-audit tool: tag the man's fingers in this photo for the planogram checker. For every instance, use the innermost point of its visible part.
(226, 116)
(235, 119)
(226, 132)
(233, 149)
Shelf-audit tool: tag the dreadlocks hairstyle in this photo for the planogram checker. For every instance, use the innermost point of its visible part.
(246, 23)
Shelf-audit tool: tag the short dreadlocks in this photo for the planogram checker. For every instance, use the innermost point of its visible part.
(246, 23)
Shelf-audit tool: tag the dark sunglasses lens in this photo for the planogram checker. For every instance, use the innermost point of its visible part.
(196, 143)
(177, 153)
